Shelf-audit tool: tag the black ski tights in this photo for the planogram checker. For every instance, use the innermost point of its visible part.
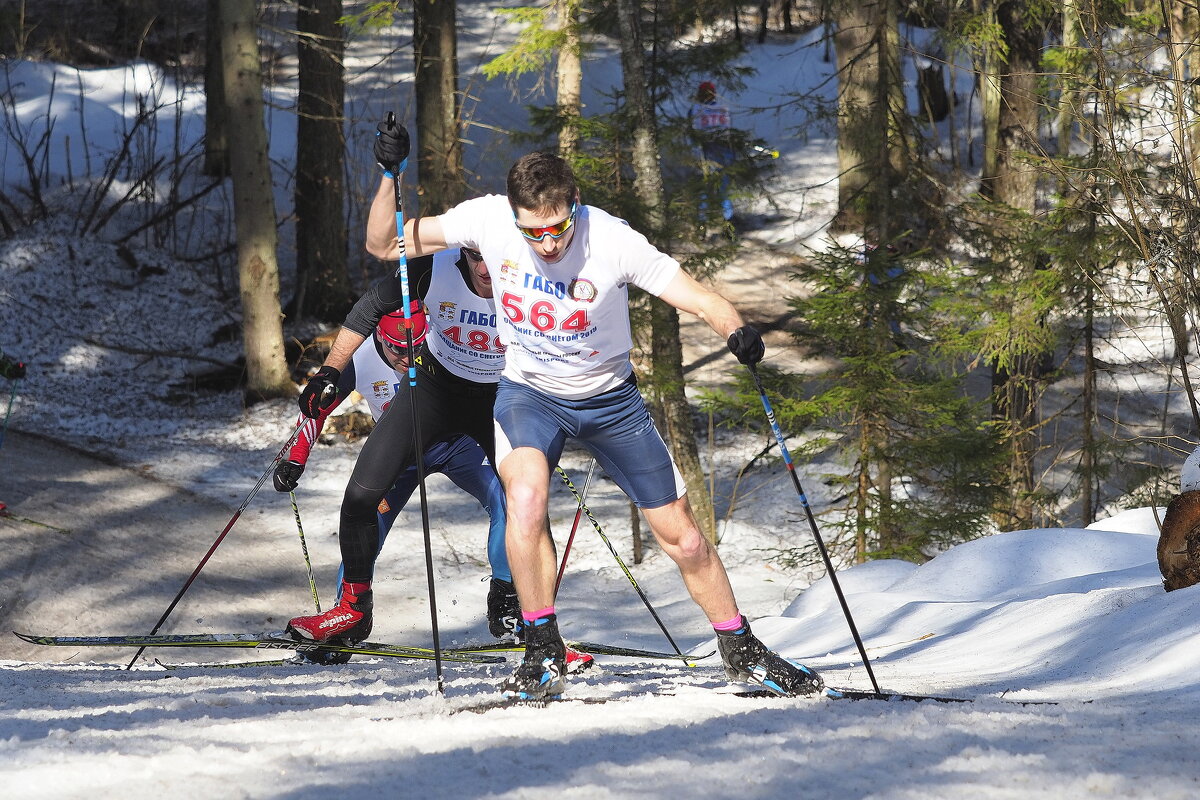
(446, 405)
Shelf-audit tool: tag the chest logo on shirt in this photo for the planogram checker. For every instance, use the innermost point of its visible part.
(446, 309)
(582, 290)
(509, 271)
(381, 388)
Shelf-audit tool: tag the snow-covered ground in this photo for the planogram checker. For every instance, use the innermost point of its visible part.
(1082, 669)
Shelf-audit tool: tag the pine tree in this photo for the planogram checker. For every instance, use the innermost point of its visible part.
(918, 459)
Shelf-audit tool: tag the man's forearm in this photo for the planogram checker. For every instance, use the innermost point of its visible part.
(381, 223)
(343, 348)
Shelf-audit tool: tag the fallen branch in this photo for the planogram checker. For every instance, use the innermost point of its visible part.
(138, 351)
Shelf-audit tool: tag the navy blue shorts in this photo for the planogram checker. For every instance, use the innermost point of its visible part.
(614, 426)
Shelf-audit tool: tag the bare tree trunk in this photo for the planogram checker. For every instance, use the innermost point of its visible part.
(439, 149)
(1087, 461)
(666, 353)
(862, 502)
(989, 92)
(216, 148)
(254, 206)
(1015, 184)
(1182, 51)
(570, 78)
(860, 135)
(322, 282)
(1066, 100)
(891, 78)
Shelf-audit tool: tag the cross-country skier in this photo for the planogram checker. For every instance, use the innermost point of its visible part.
(561, 272)
(712, 124)
(458, 367)
(376, 372)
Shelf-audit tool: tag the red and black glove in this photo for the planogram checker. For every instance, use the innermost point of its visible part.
(320, 392)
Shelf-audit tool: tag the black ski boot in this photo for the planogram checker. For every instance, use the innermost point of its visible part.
(504, 610)
(540, 676)
(747, 659)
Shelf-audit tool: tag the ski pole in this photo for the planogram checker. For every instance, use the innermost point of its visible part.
(312, 581)
(625, 569)
(228, 527)
(402, 274)
(562, 567)
(812, 523)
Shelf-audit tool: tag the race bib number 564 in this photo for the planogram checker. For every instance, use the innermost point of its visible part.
(541, 314)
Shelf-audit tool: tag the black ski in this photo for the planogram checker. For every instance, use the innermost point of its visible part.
(257, 641)
(594, 648)
(867, 694)
(274, 662)
(597, 649)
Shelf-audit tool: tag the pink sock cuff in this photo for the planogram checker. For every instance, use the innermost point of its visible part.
(731, 624)
(530, 616)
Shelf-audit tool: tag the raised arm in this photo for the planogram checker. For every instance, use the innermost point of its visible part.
(422, 236)
(381, 223)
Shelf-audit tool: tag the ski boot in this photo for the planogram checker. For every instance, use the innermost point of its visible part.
(578, 661)
(504, 610)
(540, 676)
(349, 622)
(747, 659)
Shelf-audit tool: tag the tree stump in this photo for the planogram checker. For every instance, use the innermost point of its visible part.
(1179, 542)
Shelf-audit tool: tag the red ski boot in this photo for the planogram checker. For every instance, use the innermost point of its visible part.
(578, 661)
(349, 622)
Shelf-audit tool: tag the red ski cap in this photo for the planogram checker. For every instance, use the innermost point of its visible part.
(391, 328)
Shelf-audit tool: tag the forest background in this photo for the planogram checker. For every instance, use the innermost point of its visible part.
(974, 335)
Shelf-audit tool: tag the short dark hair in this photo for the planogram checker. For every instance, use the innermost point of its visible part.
(541, 182)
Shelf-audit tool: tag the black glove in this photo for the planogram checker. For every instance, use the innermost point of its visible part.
(747, 345)
(320, 392)
(287, 475)
(391, 146)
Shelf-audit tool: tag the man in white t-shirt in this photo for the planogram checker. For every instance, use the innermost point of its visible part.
(560, 275)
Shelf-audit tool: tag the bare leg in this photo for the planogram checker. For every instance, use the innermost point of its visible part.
(525, 474)
(703, 573)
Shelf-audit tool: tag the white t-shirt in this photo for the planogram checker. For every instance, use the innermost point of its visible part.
(462, 324)
(566, 325)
